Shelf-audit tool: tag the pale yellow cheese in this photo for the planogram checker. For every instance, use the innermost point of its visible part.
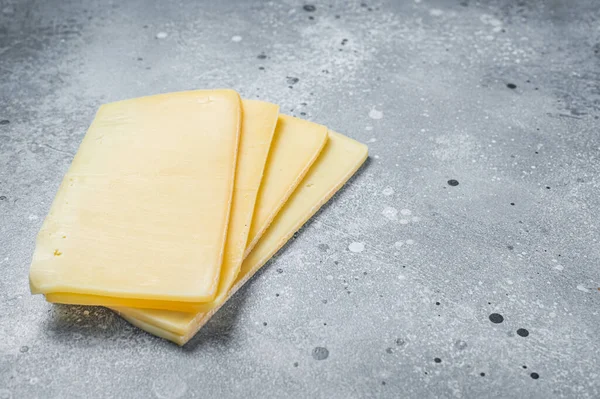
(142, 213)
(285, 169)
(258, 127)
(338, 161)
(295, 146)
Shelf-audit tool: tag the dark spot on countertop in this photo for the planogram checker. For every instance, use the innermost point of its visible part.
(437, 360)
(2, 198)
(311, 17)
(264, 323)
(4, 122)
(437, 303)
(24, 349)
(382, 382)
(511, 85)
(295, 364)
(309, 8)
(400, 342)
(453, 182)
(522, 332)
(261, 68)
(512, 203)
(324, 301)
(261, 56)
(280, 270)
(320, 353)
(482, 374)
(389, 350)
(510, 247)
(344, 41)
(535, 376)
(496, 318)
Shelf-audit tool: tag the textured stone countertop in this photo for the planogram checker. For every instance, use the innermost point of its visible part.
(461, 261)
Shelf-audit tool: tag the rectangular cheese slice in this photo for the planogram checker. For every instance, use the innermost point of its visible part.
(142, 213)
(338, 161)
(295, 146)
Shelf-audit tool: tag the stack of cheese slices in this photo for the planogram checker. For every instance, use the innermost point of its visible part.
(174, 201)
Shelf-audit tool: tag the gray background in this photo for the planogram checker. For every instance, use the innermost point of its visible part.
(424, 83)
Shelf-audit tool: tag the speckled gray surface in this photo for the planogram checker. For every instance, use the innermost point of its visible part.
(388, 292)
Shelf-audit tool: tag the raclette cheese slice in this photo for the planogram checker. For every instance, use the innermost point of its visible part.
(338, 161)
(296, 145)
(143, 211)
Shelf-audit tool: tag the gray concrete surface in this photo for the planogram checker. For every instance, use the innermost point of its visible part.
(388, 291)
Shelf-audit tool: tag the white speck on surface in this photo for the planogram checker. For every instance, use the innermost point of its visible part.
(436, 12)
(559, 267)
(169, 386)
(390, 213)
(329, 277)
(403, 221)
(410, 242)
(375, 114)
(162, 35)
(236, 39)
(32, 217)
(388, 191)
(582, 288)
(406, 212)
(552, 314)
(369, 128)
(415, 219)
(398, 244)
(356, 247)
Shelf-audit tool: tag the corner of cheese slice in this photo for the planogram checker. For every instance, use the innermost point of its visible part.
(338, 161)
(142, 213)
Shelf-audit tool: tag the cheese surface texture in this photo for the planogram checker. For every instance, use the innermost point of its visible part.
(143, 211)
(338, 161)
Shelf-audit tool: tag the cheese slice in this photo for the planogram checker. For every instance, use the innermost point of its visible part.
(295, 146)
(339, 160)
(142, 213)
